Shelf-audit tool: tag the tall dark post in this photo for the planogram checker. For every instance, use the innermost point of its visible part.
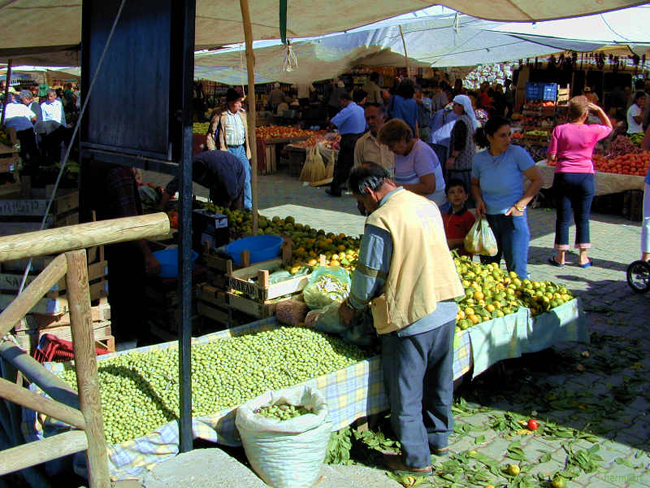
(185, 229)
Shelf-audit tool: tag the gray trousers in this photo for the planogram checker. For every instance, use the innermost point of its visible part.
(418, 376)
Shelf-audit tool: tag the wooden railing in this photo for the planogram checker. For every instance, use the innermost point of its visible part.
(82, 411)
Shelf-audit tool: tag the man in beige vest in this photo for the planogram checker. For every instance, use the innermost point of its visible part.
(408, 279)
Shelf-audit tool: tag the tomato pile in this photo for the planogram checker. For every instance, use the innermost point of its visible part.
(627, 164)
(635, 164)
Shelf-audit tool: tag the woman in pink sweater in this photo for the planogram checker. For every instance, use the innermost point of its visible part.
(571, 147)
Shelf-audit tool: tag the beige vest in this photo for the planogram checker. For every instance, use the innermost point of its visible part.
(422, 271)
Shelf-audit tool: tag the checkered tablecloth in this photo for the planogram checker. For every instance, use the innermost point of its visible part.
(351, 393)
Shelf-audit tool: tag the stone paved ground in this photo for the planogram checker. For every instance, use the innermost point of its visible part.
(591, 400)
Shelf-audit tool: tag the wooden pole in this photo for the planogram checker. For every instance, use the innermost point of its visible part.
(8, 79)
(81, 236)
(406, 56)
(35, 372)
(38, 452)
(83, 342)
(41, 404)
(24, 302)
(252, 114)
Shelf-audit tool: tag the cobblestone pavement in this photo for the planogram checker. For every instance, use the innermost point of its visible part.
(591, 400)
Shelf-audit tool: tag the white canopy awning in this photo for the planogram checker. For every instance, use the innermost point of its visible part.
(43, 25)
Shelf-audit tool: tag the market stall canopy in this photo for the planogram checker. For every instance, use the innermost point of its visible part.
(36, 26)
(447, 40)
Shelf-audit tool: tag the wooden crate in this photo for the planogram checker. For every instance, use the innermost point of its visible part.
(19, 215)
(29, 339)
(270, 155)
(259, 310)
(262, 290)
(212, 303)
(10, 282)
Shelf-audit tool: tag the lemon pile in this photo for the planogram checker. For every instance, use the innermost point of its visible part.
(491, 292)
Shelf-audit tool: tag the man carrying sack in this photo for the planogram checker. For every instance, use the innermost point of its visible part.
(407, 277)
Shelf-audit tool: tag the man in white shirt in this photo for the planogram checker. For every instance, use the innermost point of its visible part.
(367, 149)
(20, 117)
(52, 108)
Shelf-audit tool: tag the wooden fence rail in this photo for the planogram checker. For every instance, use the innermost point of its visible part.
(82, 411)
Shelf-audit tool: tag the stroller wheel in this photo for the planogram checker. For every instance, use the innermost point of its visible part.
(638, 276)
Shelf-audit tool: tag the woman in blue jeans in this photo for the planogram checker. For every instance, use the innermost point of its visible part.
(498, 186)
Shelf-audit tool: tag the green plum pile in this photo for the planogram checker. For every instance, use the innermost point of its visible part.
(139, 390)
(282, 412)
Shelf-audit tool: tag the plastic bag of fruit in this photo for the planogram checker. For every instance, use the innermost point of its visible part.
(327, 284)
(285, 435)
(480, 239)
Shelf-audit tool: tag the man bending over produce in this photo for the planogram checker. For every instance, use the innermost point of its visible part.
(407, 277)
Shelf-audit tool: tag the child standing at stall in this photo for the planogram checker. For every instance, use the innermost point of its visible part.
(458, 220)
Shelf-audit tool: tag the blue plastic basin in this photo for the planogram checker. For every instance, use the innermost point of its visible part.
(261, 248)
(168, 259)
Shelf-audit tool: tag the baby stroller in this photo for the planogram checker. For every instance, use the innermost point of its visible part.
(638, 276)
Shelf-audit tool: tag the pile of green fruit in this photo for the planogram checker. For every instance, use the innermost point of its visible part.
(139, 390)
(282, 411)
(491, 292)
(200, 128)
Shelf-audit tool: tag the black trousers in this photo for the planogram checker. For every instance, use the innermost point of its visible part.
(28, 151)
(344, 162)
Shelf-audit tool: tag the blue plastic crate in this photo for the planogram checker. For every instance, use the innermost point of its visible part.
(549, 91)
(532, 91)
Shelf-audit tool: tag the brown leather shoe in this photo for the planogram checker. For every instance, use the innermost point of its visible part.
(394, 463)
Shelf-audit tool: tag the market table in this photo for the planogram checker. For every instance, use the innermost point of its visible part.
(351, 393)
(267, 150)
(606, 183)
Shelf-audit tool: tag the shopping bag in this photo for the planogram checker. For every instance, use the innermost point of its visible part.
(314, 168)
(480, 239)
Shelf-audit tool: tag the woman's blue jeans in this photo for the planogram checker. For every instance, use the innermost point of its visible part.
(513, 238)
(573, 192)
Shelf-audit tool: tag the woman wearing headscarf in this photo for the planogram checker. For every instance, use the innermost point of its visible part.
(462, 146)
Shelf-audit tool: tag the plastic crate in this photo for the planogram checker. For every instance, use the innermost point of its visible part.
(51, 348)
(541, 91)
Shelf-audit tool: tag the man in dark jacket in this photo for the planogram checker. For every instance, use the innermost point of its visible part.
(219, 171)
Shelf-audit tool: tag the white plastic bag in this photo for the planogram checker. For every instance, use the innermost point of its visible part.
(286, 454)
(480, 239)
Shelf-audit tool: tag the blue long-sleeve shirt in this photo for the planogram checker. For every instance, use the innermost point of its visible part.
(350, 120)
(369, 278)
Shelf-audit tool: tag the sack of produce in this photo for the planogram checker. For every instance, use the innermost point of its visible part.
(314, 168)
(480, 239)
(328, 321)
(285, 435)
(330, 159)
(326, 285)
(291, 312)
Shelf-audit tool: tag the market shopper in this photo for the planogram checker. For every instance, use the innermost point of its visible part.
(442, 125)
(403, 106)
(373, 90)
(424, 113)
(498, 185)
(220, 172)
(461, 146)
(367, 149)
(276, 97)
(635, 113)
(22, 119)
(417, 167)
(574, 185)
(351, 123)
(229, 132)
(411, 297)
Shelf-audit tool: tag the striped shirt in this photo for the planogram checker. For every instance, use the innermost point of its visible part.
(235, 130)
(369, 278)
